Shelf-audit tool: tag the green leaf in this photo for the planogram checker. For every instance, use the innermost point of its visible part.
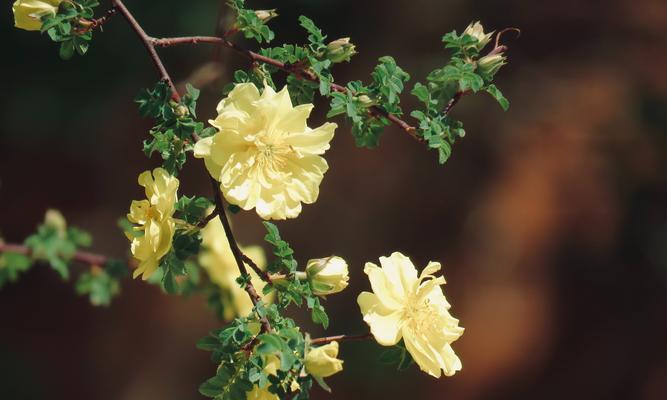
(498, 95)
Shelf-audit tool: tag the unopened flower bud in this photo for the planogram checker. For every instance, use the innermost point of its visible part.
(476, 30)
(365, 100)
(491, 64)
(327, 275)
(266, 15)
(54, 219)
(340, 50)
(321, 361)
(181, 110)
(28, 14)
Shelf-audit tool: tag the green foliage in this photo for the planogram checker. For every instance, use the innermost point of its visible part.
(176, 269)
(397, 355)
(461, 75)
(68, 27)
(193, 209)
(172, 136)
(258, 76)
(102, 284)
(293, 289)
(56, 244)
(242, 354)
(12, 265)
(248, 22)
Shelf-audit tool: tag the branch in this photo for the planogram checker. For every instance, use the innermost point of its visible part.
(340, 338)
(262, 274)
(236, 251)
(148, 43)
(80, 256)
(290, 69)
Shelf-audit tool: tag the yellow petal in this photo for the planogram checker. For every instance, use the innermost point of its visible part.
(384, 323)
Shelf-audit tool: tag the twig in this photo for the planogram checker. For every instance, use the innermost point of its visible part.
(238, 255)
(148, 43)
(291, 69)
(80, 256)
(262, 274)
(337, 338)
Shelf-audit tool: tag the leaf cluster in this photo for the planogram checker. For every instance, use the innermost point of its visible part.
(459, 76)
(243, 355)
(249, 23)
(68, 29)
(101, 285)
(171, 137)
(293, 288)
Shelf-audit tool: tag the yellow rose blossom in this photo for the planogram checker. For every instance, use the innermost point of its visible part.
(321, 362)
(218, 260)
(258, 393)
(413, 308)
(155, 225)
(28, 13)
(264, 155)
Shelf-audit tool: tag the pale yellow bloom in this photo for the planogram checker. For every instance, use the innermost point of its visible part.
(476, 30)
(264, 155)
(28, 13)
(153, 216)
(258, 393)
(327, 275)
(413, 308)
(218, 260)
(321, 361)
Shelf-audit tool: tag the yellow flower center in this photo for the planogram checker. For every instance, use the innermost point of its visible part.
(271, 154)
(419, 315)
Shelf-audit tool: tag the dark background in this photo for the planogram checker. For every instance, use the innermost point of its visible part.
(550, 219)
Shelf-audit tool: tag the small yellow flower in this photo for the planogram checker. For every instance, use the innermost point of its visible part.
(258, 393)
(218, 260)
(153, 216)
(476, 30)
(321, 361)
(327, 275)
(264, 155)
(413, 308)
(28, 13)
(55, 220)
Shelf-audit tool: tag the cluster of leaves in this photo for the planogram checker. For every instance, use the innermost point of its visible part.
(56, 244)
(70, 26)
(172, 135)
(178, 274)
(12, 265)
(311, 59)
(246, 357)
(384, 91)
(250, 23)
(102, 284)
(461, 75)
(293, 289)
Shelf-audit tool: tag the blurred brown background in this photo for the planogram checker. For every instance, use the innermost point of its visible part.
(550, 219)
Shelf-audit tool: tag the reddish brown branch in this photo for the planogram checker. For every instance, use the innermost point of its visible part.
(291, 69)
(80, 256)
(236, 251)
(148, 44)
(340, 338)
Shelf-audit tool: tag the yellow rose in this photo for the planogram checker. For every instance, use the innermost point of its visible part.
(217, 259)
(28, 13)
(155, 225)
(258, 393)
(321, 362)
(264, 155)
(327, 275)
(413, 308)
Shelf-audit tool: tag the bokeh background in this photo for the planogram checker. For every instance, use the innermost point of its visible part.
(550, 219)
